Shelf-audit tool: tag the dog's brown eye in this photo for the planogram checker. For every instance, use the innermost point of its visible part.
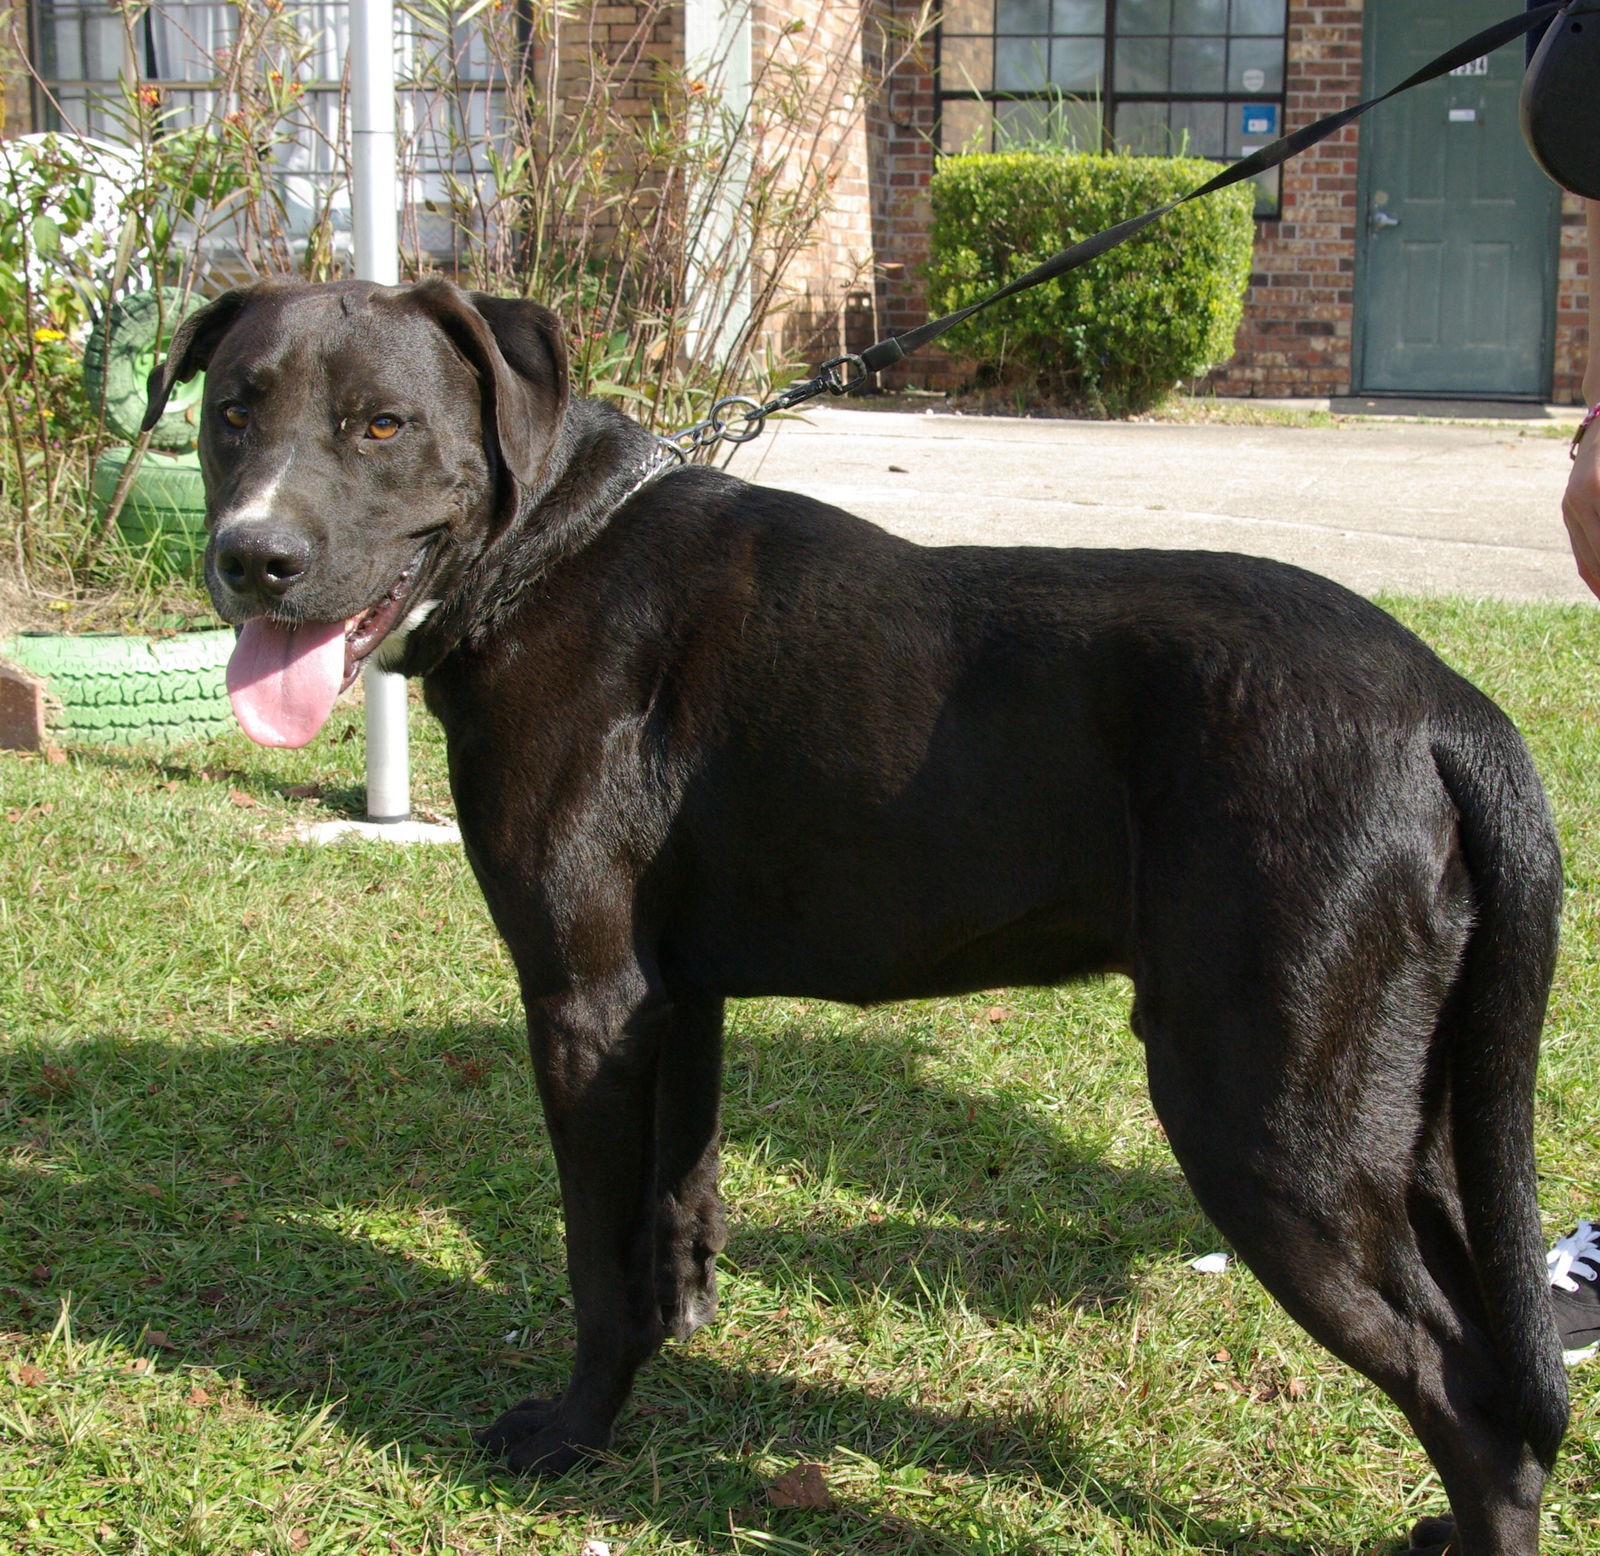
(236, 415)
(383, 426)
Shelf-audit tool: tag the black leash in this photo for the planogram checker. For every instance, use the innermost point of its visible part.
(739, 418)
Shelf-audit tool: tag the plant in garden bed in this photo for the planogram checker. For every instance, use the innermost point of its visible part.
(1115, 337)
(651, 202)
(654, 202)
(83, 223)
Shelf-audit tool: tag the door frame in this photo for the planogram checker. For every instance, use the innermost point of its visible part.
(1369, 127)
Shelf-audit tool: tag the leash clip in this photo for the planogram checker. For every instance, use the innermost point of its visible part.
(832, 374)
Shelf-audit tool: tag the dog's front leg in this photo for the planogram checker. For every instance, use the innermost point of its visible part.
(690, 1227)
(596, 1053)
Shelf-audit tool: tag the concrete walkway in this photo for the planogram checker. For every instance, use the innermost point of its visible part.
(1399, 505)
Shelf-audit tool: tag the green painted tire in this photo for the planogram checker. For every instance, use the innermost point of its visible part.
(124, 346)
(109, 690)
(163, 519)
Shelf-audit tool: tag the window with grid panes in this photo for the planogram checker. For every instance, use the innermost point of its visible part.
(1199, 78)
(84, 52)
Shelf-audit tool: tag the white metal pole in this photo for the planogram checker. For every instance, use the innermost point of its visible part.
(375, 224)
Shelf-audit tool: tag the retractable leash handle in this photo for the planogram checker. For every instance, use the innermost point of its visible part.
(1561, 99)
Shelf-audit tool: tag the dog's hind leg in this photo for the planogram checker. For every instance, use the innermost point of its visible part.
(1371, 1258)
(1311, 1063)
(597, 1056)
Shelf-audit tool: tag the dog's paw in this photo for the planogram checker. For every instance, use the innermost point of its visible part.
(533, 1436)
(1431, 1537)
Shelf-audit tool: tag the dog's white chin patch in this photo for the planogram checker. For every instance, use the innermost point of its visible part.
(283, 680)
(388, 653)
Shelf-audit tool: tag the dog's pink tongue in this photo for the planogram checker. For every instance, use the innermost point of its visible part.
(282, 681)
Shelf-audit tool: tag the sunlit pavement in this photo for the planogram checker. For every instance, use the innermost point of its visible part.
(1402, 504)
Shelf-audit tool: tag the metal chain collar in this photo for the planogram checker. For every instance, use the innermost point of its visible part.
(738, 418)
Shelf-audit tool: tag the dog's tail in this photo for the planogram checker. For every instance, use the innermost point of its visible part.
(1492, 1024)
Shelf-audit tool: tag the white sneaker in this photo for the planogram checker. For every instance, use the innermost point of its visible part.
(1575, 1292)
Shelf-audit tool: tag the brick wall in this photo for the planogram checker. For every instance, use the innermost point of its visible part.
(901, 123)
(1572, 306)
(805, 51)
(1296, 334)
(631, 41)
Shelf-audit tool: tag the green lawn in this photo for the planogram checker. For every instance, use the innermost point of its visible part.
(278, 1222)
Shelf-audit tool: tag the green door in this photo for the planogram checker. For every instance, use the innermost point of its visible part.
(1458, 230)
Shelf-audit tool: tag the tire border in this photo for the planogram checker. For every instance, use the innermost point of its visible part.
(112, 690)
(163, 517)
(120, 340)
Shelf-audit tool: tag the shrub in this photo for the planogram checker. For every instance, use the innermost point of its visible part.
(1113, 337)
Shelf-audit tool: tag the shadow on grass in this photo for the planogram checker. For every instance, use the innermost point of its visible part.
(260, 780)
(365, 1216)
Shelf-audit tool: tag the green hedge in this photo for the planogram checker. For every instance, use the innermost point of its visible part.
(1114, 337)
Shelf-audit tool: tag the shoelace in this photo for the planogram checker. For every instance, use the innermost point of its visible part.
(1575, 1255)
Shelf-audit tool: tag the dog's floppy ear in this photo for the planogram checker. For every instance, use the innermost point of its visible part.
(192, 345)
(518, 350)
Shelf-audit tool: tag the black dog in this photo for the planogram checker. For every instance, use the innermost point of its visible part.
(709, 740)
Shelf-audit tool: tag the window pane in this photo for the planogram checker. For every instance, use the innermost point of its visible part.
(967, 16)
(1199, 64)
(1258, 17)
(1020, 64)
(1077, 64)
(1269, 191)
(1204, 17)
(1077, 125)
(76, 113)
(1255, 65)
(325, 27)
(1021, 16)
(1075, 16)
(966, 64)
(1142, 129)
(107, 48)
(1021, 124)
(61, 51)
(1144, 16)
(964, 127)
(1142, 64)
(1198, 129)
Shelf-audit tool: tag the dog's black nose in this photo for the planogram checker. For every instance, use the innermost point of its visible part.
(261, 562)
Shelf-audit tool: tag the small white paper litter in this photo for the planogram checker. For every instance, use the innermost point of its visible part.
(595, 1548)
(1210, 1263)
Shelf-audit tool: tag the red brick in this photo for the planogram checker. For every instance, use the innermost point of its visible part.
(21, 711)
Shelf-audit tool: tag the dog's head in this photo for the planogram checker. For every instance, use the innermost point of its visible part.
(361, 445)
